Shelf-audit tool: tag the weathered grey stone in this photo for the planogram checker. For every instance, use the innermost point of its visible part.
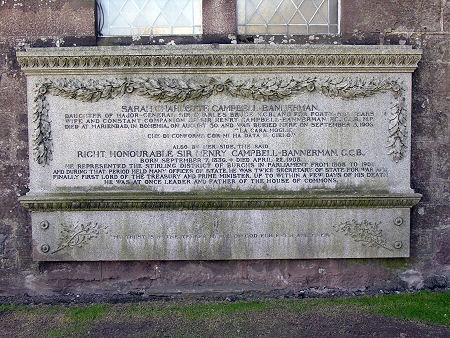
(219, 234)
(275, 131)
(391, 16)
(436, 281)
(219, 17)
(47, 18)
(413, 279)
(2, 243)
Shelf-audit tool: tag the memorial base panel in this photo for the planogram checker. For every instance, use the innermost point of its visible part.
(220, 234)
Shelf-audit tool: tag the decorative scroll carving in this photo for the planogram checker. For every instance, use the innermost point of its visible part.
(176, 90)
(365, 232)
(127, 202)
(72, 236)
(233, 61)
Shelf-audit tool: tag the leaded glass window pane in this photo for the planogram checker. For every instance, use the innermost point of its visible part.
(149, 17)
(287, 16)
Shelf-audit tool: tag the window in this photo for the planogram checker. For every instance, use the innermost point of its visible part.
(287, 16)
(149, 17)
(184, 17)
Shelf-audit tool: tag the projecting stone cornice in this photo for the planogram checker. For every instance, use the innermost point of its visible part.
(218, 58)
(218, 201)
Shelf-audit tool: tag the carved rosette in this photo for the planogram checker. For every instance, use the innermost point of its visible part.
(177, 91)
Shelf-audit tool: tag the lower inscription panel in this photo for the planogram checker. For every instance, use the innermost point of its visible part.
(221, 234)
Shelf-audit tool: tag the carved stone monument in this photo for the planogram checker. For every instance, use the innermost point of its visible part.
(219, 152)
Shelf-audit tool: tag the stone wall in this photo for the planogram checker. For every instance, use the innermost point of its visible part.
(423, 24)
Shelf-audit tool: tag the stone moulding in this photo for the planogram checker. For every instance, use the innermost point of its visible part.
(133, 201)
(176, 90)
(219, 58)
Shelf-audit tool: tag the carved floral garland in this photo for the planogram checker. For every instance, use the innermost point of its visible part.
(72, 236)
(365, 232)
(177, 91)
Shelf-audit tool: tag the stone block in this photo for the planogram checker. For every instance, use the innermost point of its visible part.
(413, 279)
(271, 274)
(431, 79)
(197, 275)
(429, 216)
(396, 15)
(441, 162)
(219, 17)
(49, 18)
(13, 93)
(127, 271)
(351, 274)
(368, 38)
(436, 282)
(434, 192)
(421, 161)
(3, 238)
(446, 16)
(422, 242)
(22, 155)
(3, 57)
(435, 48)
(443, 247)
(6, 120)
(432, 126)
(64, 272)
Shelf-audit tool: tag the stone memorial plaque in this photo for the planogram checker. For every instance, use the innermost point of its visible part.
(229, 152)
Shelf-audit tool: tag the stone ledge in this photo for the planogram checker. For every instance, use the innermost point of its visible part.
(219, 58)
(142, 201)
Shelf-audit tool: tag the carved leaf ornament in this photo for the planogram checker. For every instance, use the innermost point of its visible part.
(76, 236)
(177, 91)
(365, 232)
